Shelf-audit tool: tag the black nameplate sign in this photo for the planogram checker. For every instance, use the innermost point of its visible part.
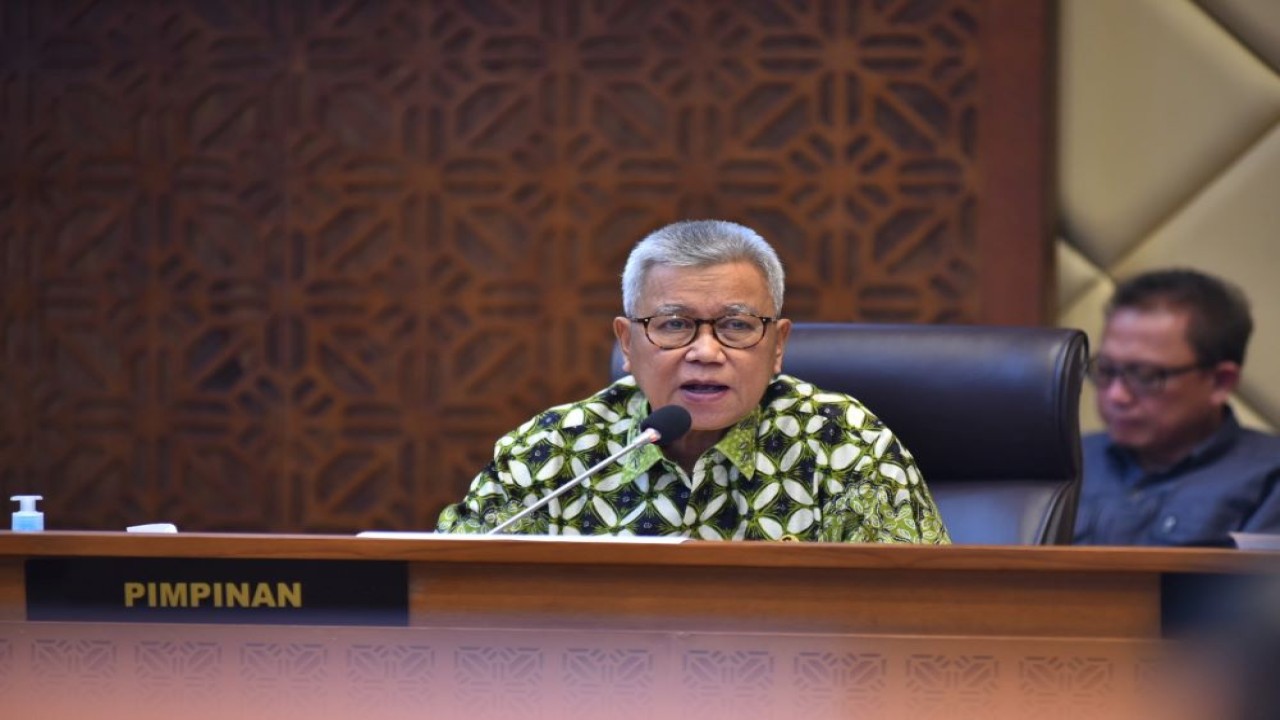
(218, 590)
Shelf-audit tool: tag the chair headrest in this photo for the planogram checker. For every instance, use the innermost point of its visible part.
(971, 402)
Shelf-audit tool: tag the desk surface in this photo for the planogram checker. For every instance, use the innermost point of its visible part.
(720, 586)
(457, 549)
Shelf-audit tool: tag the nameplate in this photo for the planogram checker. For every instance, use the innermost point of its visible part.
(218, 590)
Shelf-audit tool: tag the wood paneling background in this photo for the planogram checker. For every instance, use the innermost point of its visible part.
(295, 265)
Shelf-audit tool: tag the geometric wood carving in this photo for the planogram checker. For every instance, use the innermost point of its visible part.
(296, 266)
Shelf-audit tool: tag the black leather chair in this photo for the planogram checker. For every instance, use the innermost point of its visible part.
(991, 414)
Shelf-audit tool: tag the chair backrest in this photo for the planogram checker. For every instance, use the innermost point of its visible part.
(991, 414)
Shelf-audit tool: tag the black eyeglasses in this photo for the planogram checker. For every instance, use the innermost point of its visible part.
(736, 330)
(1140, 379)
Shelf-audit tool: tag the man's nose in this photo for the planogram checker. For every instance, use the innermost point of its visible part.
(705, 343)
(1117, 391)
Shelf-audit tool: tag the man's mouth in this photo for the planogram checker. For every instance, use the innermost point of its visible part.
(703, 388)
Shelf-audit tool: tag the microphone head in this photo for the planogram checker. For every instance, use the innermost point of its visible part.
(671, 423)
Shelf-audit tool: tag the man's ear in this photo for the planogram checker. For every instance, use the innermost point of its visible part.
(1226, 378)
(784, 332)
(622, 331)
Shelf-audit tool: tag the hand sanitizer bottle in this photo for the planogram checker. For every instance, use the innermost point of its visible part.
(27, 518)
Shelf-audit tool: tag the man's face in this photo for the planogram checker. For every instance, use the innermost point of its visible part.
(1162, 425)
(718, 385)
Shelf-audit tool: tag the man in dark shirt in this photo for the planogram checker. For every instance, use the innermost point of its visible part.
(1174, 466)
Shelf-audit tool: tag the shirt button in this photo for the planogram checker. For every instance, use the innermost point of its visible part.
(1170, 522)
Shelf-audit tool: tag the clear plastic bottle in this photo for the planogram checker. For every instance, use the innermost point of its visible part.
(26, 518)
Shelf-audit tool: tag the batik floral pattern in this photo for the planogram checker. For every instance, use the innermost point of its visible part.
(805, 465)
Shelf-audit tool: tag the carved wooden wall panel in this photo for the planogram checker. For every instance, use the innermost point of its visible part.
(296, 265)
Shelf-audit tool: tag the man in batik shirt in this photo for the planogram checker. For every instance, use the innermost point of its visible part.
(768, 456)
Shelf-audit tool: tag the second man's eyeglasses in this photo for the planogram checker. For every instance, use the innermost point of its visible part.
(1140, 379)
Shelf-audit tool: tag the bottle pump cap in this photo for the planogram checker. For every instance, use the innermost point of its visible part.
(27, 518)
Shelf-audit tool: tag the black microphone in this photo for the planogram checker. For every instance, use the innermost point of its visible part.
(670, 422)
(663, 427)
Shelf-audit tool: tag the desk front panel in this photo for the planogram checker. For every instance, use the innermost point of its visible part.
(145, 672)
(507, 629)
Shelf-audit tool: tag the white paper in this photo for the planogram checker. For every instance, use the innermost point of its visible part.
(153, 528)
(409, 535)
(1257, 541)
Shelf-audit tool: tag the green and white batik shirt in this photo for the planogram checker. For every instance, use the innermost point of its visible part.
(804, 465)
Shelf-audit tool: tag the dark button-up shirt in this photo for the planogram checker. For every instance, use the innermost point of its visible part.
(1229, 483)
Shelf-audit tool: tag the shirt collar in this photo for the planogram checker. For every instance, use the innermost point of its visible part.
(1219, 442)
(738, 444)
(1208, 449)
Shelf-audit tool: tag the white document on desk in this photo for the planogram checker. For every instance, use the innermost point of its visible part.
(629, 539)
(1257, 541)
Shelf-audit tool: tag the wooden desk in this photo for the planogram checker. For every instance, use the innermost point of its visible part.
(507, 628)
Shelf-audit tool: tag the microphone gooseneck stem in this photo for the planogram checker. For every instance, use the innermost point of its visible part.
(648, 436)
